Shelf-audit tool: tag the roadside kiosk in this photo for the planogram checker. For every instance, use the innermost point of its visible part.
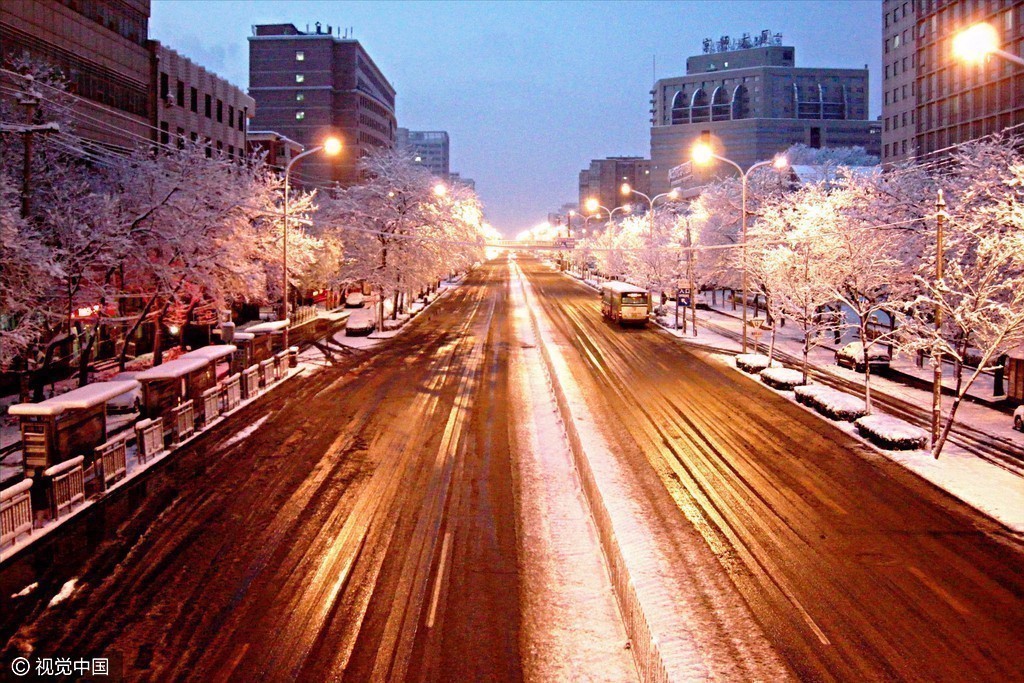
(63, 427)
(187, 377)
(268, 338)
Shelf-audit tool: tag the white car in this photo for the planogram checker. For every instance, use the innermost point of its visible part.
(852, 356)
(129, 402)
(354, 300)
(1018, 419)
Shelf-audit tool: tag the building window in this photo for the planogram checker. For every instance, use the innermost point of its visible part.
(242, 115)
(181, 94)
(165, 136)
(815, 142)
(300, 56)
(220, 111)
(300, 78)
(231, 116)
(300, 97)
(231, 152)
(195, 100)
(165, 89)
(300, 115)
(180, 139)
(209, 106)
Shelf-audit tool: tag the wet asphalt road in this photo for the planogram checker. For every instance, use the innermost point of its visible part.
(856, 569)
(365, 531)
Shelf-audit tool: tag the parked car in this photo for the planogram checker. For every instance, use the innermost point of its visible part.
(1018, 419)
(852, 356)
(354, 300)
(130, 402)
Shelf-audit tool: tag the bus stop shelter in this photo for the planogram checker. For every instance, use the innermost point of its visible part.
(187, 377)
(63, 427)
(268, 338)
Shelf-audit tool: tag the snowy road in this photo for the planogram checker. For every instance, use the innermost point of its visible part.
(855, 568)
(411, 514)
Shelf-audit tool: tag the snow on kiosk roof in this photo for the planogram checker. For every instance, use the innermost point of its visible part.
(272, 326)
(214, 352)
(174, 369)
(622, 287)
(84, 397)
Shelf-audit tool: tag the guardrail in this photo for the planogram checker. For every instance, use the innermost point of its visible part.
(250, 381)
(113, 459)
(231, 393)
(281, 364)
(211, 405)
(67, 485)
(15, 512)
(150, 438)
(183, 418)
(268, 371)
(302, 314)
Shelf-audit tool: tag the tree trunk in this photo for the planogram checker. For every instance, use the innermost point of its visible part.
(867, 365)
(86, 355)
(123, 354)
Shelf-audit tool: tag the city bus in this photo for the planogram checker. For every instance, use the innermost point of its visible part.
(624, 303)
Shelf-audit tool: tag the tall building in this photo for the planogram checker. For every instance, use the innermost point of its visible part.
(310, 85)
(749, 98)
(899, 89)
(956, 102)
(604, 178)
(428, 147)
(196, 104)
(456, 179)
(101, 48)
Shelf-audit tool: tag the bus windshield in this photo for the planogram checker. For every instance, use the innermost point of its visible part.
(634, 298)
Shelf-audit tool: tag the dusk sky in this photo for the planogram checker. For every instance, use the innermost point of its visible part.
(530, 92)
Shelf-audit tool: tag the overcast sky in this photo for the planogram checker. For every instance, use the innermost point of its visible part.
(530, 92)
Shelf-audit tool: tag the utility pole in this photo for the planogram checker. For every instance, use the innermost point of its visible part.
(940, 219)
(30, 101)
(689, 275)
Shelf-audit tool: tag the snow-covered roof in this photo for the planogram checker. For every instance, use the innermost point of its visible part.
(84, 397)
(174, 369)
(271, 326)
(244, 336)
(622, 287)
(806, 174)
(212, 352)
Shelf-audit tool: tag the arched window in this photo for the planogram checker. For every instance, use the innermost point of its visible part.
(740, 102)
(700, 109)
(719, 105)
(680, 108)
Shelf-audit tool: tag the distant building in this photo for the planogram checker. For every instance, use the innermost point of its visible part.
(101, 48)
(279, 149)
(749, 99)
(429, 148)
(604, 178)
(899, 90)
(310, 85)
(196, 104)
(457, 179)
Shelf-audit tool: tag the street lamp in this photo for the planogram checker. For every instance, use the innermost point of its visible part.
(672, 194)
(440, 190)
(977, 42)
(595, 208)
(331, 147)
(702, 154)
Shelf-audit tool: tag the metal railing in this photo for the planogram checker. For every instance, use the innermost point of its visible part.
(267, 369)
(211, 405)
(150, 438)
(67, 485)
(251, 382)
(113, 459)
(231, 393)
(184, 420)
(302, 314)
(281, 364)
(15, 512)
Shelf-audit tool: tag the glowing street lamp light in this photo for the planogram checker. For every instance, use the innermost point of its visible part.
(702, 154)
(440, 190)
(672, 194)
(977, 42)
(331, 147)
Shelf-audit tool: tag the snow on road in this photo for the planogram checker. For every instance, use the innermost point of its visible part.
(571, 625)
(245, 433)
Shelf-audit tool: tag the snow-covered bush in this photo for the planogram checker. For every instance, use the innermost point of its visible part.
(890, 433)
(358, 328)
(831, 403)
(784, 379)
(752, 362)
(391, 325)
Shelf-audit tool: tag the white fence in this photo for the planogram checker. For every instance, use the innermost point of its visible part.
(184, 420)
(113, 459)
(150, 438)
(231, 393)
(15, 512)
(67, 485)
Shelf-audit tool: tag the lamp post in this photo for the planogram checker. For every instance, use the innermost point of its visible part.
(595, 208)
(331, 147)
(702, 155)
(671, 194)
(977, 42)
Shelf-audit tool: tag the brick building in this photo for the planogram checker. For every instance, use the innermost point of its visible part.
(605, 176)
(310, 85)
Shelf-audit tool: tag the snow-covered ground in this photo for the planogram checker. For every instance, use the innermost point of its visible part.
(571, 625)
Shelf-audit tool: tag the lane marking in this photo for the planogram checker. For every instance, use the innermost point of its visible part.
(437, 581)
